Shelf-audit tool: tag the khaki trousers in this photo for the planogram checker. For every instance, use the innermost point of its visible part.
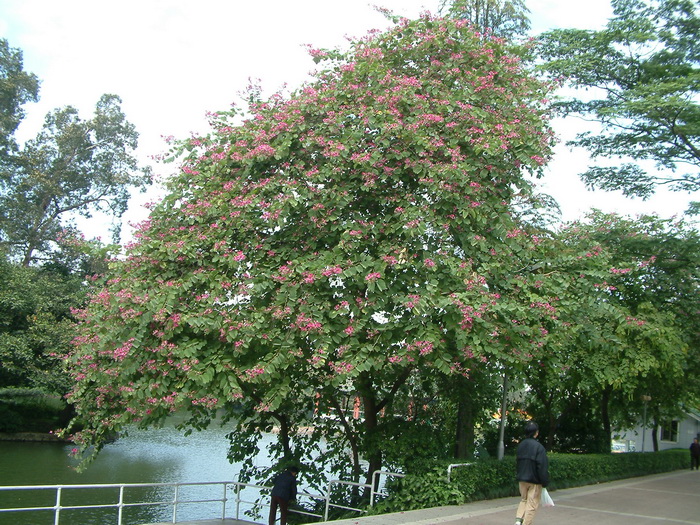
(530, 494)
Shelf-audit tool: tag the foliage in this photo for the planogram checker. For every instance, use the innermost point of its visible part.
(35, 326)
(17, 87)
(420, 491)
(73, 166)
(496, 479)
(663, 292)
(31, 410)
(640, 82)
(350, 240)
(503, 18)
(36, 329)
(605, 344)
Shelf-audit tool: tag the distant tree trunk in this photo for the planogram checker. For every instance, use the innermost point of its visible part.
(464, 439)
(284, 436)
(371, 422)
(655, 434)
(605, 415)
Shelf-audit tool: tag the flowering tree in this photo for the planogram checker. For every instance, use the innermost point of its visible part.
(341, 242)
(608, 338)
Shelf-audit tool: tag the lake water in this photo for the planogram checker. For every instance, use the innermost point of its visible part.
(155, 456)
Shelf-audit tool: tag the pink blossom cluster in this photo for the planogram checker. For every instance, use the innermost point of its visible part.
(306, 324)
(333, 270)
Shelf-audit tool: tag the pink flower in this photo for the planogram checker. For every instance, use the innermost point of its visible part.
(335, 270)
(373, 276)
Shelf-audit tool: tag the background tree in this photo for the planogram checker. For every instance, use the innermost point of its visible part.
(17, 87)
(73, 167)
(629, 331)
(36, 330)
(503, 18)
(339, 243)
(639, 80)
(665, 253)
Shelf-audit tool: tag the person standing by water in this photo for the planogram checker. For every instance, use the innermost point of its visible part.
(284, 490)
(695, 455)
(532, 473)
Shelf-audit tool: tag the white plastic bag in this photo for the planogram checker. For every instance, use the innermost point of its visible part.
(545, 499)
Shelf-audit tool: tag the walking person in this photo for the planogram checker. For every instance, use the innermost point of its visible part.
(532, 473)
(695, 455)
(284, 490)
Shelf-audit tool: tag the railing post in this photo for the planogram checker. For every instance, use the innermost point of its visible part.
(176, 496)
(57, 508)
(374, 485)
(328, 501)
(121, 505)
(223, 504)
(238, 499)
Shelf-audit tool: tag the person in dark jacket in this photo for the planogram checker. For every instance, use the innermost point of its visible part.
(532, 473)
(695, 455)
(284, 490)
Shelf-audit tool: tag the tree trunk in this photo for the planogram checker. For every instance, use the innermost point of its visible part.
(605, 415)
(284, 437)
(371, 422)
(464, 439)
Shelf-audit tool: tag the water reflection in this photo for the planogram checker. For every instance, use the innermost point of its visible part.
(162, 455)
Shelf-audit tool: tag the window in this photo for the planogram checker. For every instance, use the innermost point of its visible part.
(669, 431)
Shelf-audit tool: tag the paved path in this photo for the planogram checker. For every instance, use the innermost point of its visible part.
(672, 498)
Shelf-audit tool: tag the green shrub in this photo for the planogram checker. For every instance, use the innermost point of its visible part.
(490, 478)
(30, 410)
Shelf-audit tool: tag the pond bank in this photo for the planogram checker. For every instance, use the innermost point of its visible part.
(32, 437)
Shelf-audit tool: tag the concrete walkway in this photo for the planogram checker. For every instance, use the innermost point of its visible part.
(672, 498)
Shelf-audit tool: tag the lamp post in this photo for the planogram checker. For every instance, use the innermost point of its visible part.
(645, 399)
(501, 451)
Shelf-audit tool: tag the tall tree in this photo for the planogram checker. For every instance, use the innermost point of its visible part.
(17, 87)
(338, 243)
(632, 300)
(503, 18)
(73, 167)
(639, 79)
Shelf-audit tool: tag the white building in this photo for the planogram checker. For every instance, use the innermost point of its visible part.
(674, 433)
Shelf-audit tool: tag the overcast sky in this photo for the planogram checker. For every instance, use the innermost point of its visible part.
(171, 61)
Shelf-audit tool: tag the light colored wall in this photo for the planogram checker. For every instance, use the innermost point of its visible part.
(631, 440)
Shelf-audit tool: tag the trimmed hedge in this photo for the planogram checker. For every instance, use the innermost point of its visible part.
(489, 479)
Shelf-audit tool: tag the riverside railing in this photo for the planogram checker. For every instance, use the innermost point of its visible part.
(375, 490)
(123, 497)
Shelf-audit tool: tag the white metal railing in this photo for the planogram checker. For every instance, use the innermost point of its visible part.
(121, 504)
(374, 491)
(454, 466)
(178, 500)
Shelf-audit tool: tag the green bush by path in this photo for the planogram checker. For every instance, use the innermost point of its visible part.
(489, 479)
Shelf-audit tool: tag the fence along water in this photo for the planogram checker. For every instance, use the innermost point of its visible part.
(135, 503)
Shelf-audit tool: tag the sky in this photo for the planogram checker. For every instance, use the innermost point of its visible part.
(172, 61)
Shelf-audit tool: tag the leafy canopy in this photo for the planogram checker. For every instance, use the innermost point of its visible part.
(72, 167)
(504, 18)
(17, 87)
(639, 79)
(344, 240)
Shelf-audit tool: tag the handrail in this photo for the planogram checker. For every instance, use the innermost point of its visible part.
(455, 465)
(375, 483)
(176, 500)
(120, 505)
(328, 496)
